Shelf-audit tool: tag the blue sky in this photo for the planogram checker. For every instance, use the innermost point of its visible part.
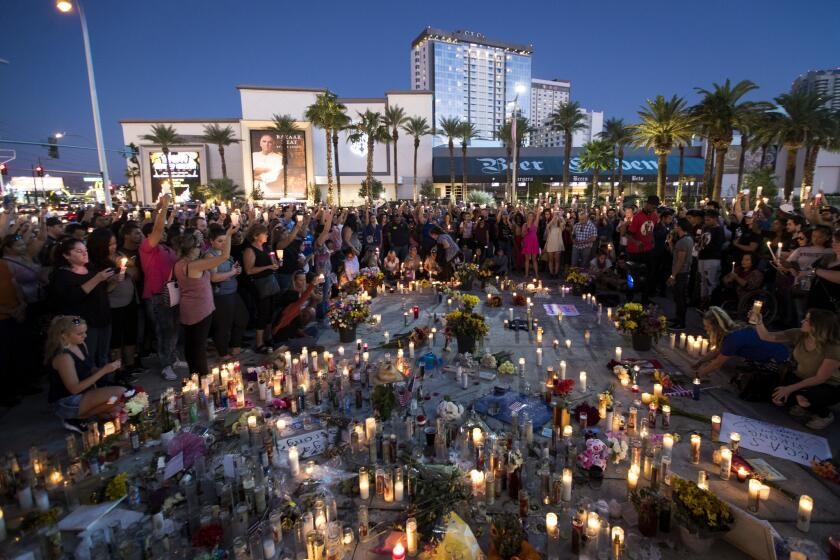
(183, 58)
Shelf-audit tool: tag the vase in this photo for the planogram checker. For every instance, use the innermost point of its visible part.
(466, 344)
(372, 293)
(347, 335)
(695, 542)
(648, 518)
(642, 342)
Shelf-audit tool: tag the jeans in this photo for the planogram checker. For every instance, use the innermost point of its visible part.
(166, 329)
(681, 297)
(98, 343)
(195, 345)
(229, 322)
(709, 270)
(580, 255)
(309, 341)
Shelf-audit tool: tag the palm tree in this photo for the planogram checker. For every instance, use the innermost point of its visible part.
(720, 112)
(567, 118)
(221, 137)
(664, 122)
(165, 136)
(340, 122)
(370, 129)
(132, 172)
(394, 118)
(748, 126)
(223, 190)
(826, 134)
(283, 126)
(322, 114)
(505, 134)
(450, 127)
(598, 156)
(466, 132)
(616, 133)
(416, 127)
(766, 134)
(802, 112)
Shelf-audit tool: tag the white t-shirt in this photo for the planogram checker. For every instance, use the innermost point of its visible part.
(273, 162)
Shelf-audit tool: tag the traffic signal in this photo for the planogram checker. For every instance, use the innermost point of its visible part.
(4, 169)
(39, 170)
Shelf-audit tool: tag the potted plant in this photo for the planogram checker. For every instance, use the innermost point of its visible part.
(345, 314)
(466, 325)
(700, 513)
(506, 535)
(644, 324)
(370, 279)
(577, 279)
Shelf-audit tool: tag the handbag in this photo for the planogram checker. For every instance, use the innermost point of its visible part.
(267, 286)
(171, 293)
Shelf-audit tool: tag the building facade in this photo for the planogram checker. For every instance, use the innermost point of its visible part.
(546, 97)
(256, 162)
(824, 82)
(473, 78)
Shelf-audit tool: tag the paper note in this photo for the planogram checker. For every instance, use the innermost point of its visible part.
(174, 466)
(775, 440)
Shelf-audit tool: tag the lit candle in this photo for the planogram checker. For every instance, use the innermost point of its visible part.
(586, 337)
(510, 313)
(567, 485)
(765, 492)
(477, 436)
(617, 542)
(341, 348)
(556, 344)
(667, 445)
(583, 381)
(715, 428)
(695, 449)
(281, 425)
(551, 524)
(562, 369)
(477, 478)
(673, 337)
(539, 335)
(370, 428)
(411, 348)
(754, 494)
(666, 416)
(364, 484)
(399, 552)
(294, 461)
(3, 534)
(411, 536)
(399, 490)
(252, 422)
(742, 474)
(618, 353)
(568, 344)
(682, 340)
(702, 480)
(695, 389)
(657, 389)
(521, 366)
(609, 313)
(279, 254)
(567, 431)
(734, 441)
(704, 346)
(632, 478)
(803, 517)
(108, 429)
(539, 357)
(779, 250)
(725, 463)
(123, 264)
(646, 398)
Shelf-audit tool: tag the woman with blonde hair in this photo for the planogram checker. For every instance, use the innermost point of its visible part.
(73, 393)
(815, 383)
(554, 243)
(733, 339)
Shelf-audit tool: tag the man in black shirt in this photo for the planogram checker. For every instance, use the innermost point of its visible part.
(398, 236)
(709, 256)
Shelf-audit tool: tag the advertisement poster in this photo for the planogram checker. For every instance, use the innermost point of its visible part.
(267, 164)
(185, 169)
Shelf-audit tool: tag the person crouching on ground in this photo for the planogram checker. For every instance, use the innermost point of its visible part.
(297, 306)
(73, 393)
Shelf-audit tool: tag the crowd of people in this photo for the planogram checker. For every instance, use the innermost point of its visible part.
(83, 301)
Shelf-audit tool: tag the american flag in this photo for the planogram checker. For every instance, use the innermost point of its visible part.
(404, 396)
(680, 391)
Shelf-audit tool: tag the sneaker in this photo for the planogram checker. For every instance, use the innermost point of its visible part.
(819, 423)
(797, 411)
(180, 364)
(168, 373)
(75, 425)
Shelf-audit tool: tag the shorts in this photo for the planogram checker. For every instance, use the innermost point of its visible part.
(68, 407)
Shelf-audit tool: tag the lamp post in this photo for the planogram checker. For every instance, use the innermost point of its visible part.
(66, 6)
(514, 138)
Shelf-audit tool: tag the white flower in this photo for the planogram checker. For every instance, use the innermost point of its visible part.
(136, 404)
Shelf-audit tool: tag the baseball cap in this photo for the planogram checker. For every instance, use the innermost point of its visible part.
(653, 199)
(53, 221)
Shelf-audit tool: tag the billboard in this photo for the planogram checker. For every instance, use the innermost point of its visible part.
(185, 169)
(267, 164)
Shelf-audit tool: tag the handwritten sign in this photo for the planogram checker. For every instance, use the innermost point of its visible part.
(774, 440)
(555, 309)
(309, 444)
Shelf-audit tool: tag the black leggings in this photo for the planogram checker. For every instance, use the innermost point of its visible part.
(195, 345)
(229, 322)
(821, 397)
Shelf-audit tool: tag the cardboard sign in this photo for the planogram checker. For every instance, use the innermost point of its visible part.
(774, 440)
(309, 444)
(554, 309)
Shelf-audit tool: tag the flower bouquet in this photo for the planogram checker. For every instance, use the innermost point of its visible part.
(577, 279)
(643, 323)
(465, 274)
(563, 387)
(617, 445)
(507, 368)
(700, 511)
(466, 325)
(345, 314)
(594, 457)
(370, 279)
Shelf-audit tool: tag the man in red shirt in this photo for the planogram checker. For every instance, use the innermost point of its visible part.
(640, 242)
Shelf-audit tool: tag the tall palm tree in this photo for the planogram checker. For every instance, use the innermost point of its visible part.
(132, 172)
(466, 132)
(221, 137)
(369, 129)
(451, 127)
(664, 122)
(505, 134)
(340, 122)
(394, 118)
(766, 134)
(567, 118)
(417, 127)
(284, 127)
(597, 155)
(616, 133)
(721, 111)
(801, 114)
(165, 136)
(322, 114)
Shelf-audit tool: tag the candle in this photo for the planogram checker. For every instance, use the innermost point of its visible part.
(754, 495)
(667, 445)
(646, 398)
(704, 346)
(551, 524)
(123, 264)
(586, 337)
(562, 369)
(765, 492)
(742, 474)
(521, 366)
(583, 381)
(618, 353)
(682, 340)
(279, 254)
(673, 338)
(734, 441)
(702, 480)
(3, 534)
(411, 536)
(24, 497)
(539, 335)
(609, 313)
(567, 431)
(294, 461)
(411, 348)
(568, 344)
(370, 428)
(567, 485)
(252, 422)
(477, 436)
(556, 344)
(632, 478)
(42, 500)
(666, 416)
(477, 478)
(725, 463)
(715, 428)
(399, 490)
(539, 357)
(364, 484)
(657, 389)
(779, 251)
(803, 517)
(695, 393)
(695, 449)
(399, 552)
(386, 335)
(510, 313)
(617, 542)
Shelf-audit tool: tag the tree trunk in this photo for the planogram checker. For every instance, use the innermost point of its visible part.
(620, 170)
(720, 155)
(567, 155)
(452, 169)
(595, 189)
(369, 172)
(224, 163)
(329, 168)
(810, 166)
(790, 168)
(764, 148)
(464, 170)
(707, 168)
(168, 172)
(285, 149)
(337, 174)
(681, 178)
(396, 136)
(661, 175)
(414, 183)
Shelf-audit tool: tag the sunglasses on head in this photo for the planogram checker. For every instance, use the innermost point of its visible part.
(75, 320)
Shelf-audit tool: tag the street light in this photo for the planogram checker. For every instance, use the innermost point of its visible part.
(66, 6)
(58, 135)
